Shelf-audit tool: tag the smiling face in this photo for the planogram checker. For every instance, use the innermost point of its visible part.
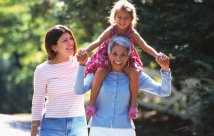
(123, 19)
(118, 58)
(65, 46)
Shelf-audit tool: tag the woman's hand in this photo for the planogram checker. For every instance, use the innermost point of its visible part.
(163, 60)
(34, 127)
(82, 56)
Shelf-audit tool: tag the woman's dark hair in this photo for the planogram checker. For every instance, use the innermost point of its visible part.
(53, 35)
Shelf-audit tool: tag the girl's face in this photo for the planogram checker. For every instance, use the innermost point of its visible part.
(118, 58)
(123, 19)
(65, 46)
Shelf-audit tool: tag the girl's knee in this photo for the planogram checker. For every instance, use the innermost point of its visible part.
(100, 69)
(134, 72)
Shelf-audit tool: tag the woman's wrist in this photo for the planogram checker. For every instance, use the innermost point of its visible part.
(81, 64)
(166, 70)
(35, 124)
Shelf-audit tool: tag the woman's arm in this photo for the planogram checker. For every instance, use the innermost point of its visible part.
(142, 44)
(162, 89)
(38, 100)
(82, 85)
(34, 127)
(104, 36)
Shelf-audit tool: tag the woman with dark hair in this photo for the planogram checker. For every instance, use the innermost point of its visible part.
(111, 117)
(55, 107)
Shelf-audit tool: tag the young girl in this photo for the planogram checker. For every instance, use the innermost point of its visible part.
(123, 19)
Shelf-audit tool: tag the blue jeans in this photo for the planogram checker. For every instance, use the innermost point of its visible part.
(74, 126)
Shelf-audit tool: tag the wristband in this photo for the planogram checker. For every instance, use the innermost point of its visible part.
(166, 72)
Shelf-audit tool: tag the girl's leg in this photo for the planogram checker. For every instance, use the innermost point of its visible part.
(96, 85)
(134, 87)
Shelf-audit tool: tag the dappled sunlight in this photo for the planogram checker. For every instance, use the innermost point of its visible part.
(15, 125)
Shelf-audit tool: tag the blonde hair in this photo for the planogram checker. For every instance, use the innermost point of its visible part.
(123, 5)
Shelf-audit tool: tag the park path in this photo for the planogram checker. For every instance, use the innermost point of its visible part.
(14, 125)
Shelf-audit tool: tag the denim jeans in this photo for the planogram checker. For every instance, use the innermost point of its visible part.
(73, 126)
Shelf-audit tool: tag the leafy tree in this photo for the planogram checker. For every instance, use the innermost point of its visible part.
(184, 30)
(18, 50)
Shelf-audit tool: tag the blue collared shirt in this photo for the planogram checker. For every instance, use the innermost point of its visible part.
(112, 103)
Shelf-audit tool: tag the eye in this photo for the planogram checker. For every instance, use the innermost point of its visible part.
(65, 40)
(124, 55)
(114, 54)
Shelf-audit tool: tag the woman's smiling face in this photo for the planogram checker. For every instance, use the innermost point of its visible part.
(65, 45)
(118, 58)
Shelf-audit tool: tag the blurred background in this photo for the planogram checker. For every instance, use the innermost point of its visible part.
(183, 29)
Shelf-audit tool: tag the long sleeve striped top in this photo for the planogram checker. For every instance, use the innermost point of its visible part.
(54, 91)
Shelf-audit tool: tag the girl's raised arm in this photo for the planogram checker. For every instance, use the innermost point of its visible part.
(142, 44)
(104, 36)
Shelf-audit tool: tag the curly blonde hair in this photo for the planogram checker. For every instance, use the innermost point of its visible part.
(123, 5)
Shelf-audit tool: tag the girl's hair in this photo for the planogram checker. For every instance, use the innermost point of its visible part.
(121, 41)
(53, 35)
(123, 5)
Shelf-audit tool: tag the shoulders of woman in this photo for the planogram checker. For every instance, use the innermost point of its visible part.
(41, 67)
(74, 61)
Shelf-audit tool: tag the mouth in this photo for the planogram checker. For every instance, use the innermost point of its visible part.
(118, 62)
(122, 24)
(70, 48)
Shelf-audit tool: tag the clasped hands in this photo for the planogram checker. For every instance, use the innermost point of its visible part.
(163, 60)
(82, 56)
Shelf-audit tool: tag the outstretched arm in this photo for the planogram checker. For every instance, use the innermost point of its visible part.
(142, 44)
(162, 89)
(104, 36)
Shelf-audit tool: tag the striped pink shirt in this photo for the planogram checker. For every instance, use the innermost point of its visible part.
(55, 82)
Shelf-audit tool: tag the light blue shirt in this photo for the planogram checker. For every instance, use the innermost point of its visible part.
(112, 103)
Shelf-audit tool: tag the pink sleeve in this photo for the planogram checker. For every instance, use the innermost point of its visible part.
(38, 100)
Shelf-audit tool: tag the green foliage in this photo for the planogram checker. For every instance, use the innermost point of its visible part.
(184, 30)
(18, 50)
(201, 104)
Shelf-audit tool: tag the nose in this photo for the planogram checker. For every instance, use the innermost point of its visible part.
(118, 57)
(123, 19)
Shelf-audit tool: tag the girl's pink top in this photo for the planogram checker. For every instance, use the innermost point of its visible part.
(100, 57)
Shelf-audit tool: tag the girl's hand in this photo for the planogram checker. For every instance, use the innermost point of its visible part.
(163, 60)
